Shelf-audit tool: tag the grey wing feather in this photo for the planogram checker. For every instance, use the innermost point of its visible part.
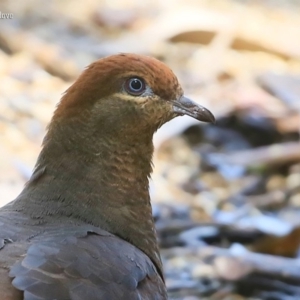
(91, 266)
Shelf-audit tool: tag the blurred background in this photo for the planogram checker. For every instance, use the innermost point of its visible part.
(226, 197)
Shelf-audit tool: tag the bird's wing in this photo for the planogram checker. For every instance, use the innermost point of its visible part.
(92, 265)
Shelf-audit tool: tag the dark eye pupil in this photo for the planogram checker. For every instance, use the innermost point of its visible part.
(135, 84)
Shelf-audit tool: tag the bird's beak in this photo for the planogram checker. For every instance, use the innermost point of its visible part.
(185, 106)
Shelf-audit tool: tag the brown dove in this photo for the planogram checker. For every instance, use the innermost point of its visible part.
(82, 228)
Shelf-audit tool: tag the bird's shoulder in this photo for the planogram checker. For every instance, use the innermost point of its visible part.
(75, 261)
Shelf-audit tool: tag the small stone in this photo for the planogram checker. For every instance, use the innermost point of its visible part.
(206, 201)
(276, 182)
(230, 268)
(295, 200)
(203, 270)
(178, 262)
(293, 181)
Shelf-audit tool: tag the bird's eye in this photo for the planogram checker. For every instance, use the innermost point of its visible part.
(135, 86)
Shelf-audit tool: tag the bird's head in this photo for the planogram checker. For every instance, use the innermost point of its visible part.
(127, 94)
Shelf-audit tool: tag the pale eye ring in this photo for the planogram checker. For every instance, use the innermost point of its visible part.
(135, 86)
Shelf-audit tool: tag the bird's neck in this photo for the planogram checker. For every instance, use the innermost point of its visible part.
(101, 179)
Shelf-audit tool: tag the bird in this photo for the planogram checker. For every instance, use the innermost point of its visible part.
(82, 227)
